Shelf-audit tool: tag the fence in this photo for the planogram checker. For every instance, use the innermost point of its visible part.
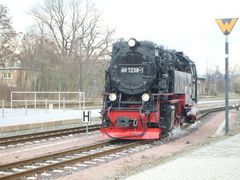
(35, 98)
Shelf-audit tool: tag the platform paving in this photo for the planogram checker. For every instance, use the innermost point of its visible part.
(216, 161)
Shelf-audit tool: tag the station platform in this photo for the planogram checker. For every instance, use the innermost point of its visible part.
(21, 121)
(217, 160)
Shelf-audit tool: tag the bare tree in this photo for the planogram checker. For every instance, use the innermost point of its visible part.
(234, 74)
(7, 38)
(71, 22)
(40, 54)
(215, 82)
(75, 28)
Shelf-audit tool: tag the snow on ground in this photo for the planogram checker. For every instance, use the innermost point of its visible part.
(21, 116)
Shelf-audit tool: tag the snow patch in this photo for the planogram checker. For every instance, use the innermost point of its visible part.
(19, 116)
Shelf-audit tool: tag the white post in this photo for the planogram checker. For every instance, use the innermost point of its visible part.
(35, 100)
(83, 100)
(46, 104)
(11, 100)
(59, 100)
(3, 108)
(64, 104)
(26, 107)
(79, 99)
(87, 128)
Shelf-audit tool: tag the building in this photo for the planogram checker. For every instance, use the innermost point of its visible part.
(16, 76)
(201, 86)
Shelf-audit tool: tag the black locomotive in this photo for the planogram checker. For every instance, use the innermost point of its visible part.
(148, 90)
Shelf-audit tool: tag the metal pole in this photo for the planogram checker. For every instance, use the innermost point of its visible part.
(35, 100)
(59, 100)
(11, 100)
(83, 100)
(26, 107)
(3, 106)
(226, 88)
(63, 103)
(79, 99)
(46, 103)
(87, 129)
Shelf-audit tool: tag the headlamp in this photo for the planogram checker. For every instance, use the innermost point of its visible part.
(112, 97)
(145, 97)
(132, 42)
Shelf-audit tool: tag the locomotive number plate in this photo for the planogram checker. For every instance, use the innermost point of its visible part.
(132, 70)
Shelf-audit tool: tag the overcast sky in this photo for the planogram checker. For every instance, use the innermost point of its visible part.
(184, 25)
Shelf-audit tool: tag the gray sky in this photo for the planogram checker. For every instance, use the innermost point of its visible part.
(184, 25)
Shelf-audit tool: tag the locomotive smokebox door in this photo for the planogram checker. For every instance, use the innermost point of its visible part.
(132, 71)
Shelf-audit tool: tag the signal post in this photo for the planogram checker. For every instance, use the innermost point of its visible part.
(226, 25)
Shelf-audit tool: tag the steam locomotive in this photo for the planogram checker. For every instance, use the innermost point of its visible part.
(149, 91)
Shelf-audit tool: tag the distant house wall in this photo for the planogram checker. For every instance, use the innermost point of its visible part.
(13, 77)
(8, 77)
(201, 86)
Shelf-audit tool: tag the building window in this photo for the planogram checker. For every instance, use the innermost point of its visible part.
(7, 75)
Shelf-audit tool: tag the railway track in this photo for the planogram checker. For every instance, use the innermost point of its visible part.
(205, 112)
(45, 135)
(53, 161)
(42, 166)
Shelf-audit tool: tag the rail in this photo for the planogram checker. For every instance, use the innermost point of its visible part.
(67, 157)
(13, 140)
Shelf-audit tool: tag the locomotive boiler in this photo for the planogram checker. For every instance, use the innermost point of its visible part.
(149, 90)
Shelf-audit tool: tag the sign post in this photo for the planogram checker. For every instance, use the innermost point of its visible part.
(226, 25)
(3, 107)
(86, 118)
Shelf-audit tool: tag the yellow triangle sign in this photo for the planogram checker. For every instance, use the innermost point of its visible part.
(226, 25)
